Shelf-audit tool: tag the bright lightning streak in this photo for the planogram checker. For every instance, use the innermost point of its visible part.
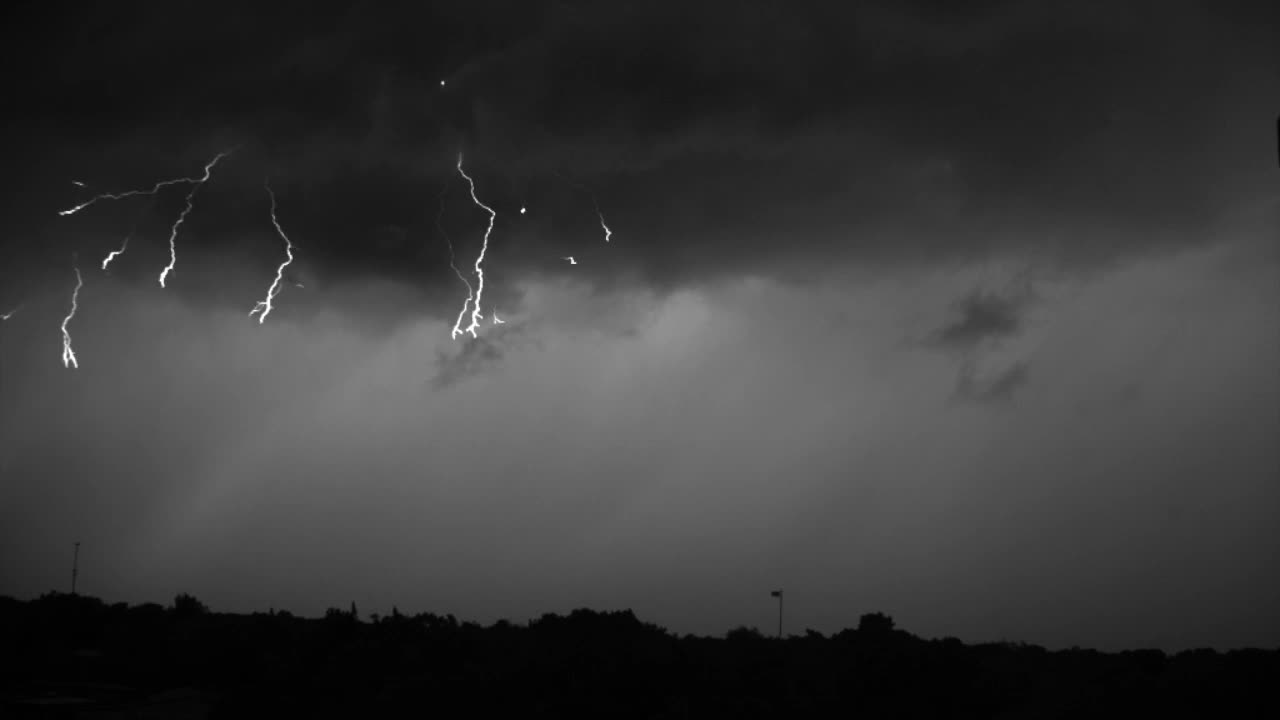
(264, 306)
(112, 255)
(69, 355)
(594, 203)
(497, 320)
(607, 232)
(191, 196)
(457, 326)
(476, 317)
(11, 313)
(120, 196)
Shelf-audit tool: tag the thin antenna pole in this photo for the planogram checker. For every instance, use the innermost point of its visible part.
(75, 568)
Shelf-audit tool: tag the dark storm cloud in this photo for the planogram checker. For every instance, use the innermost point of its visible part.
(477, 355)
(990, 391)
(983, 316)
(983, 321)
(717, 138)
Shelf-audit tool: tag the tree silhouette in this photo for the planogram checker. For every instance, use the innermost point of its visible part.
(875, 624)
(185, 605)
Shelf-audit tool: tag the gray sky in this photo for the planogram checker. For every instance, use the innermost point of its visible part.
(1001, 378)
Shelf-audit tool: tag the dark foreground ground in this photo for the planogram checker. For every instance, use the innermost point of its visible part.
(75, 656)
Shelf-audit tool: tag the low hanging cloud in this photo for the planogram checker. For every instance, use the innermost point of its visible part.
(983, 318)
(983, 323)
(995, 390)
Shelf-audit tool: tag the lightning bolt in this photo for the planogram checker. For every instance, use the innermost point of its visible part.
(131, 193)
(69, 355)
(112, 255)
(594, 203)
(11, 313)
(457, 326)
(191, 196)
(497, 320)
(264, 306)
(121, 196)
(607, 232)
(475, 312)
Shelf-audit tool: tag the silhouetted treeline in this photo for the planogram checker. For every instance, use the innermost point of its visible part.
(76, 656)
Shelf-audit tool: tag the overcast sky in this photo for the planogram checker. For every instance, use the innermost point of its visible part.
(970, 317)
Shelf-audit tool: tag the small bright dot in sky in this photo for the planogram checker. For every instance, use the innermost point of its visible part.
(441, 83)
(521, 211)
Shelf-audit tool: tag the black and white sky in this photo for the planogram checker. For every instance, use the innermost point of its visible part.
(968, 313)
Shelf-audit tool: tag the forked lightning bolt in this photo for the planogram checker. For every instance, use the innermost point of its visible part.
(191, 196)
(69, 355)
(264, 306)
(131, 193)
(106, 261)
(475, 311)
(457, 326)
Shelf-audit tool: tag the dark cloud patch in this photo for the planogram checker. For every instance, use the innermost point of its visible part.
(983, 317)
(752, 138)
(477, 355)
(983, 321)
(990, 391)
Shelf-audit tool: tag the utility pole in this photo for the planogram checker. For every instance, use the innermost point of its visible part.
(778, 594)
(75, 567)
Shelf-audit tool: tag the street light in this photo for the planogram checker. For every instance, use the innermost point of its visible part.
(778, 594)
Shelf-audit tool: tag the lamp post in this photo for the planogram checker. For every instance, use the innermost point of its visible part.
(778, 594)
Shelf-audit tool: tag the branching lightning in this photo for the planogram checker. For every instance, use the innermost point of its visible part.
(69, 355)
(476, 317)
(128, 193)
(497, 320)
(191, 196)
(112, 255)
(457, 326)
(264, 306)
